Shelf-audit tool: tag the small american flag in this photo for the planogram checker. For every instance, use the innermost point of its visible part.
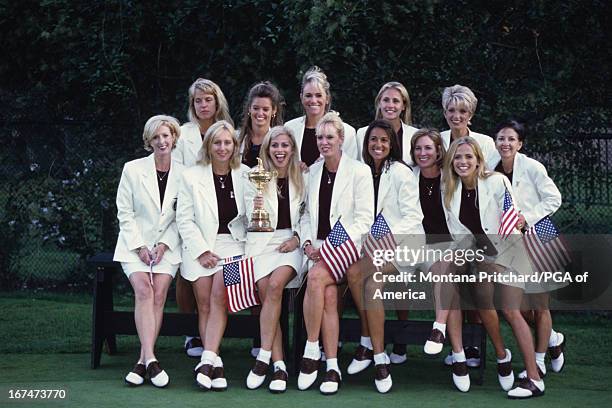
(380, 237)
(510, 217)
(545, 247)
(239, 280)
(338, 251)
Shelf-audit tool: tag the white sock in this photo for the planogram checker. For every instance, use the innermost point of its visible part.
(218, 362)
(459, 357)
(440, 326)
(539, 384)
(540, 357)
(208, 357)
(553, 340)
(505, 359)
(312, 350)
(149, 361)
(332, 364)
(264, 356)
(280, 365)
(366, 342)
(380, 358)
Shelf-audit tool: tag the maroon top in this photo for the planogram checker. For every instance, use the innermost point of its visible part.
(326, 189)
(309, 151)
(434, 220)
(284, 212)
(469, 215)
(226, 201)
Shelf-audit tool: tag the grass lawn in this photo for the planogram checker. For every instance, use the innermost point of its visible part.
(44, 343)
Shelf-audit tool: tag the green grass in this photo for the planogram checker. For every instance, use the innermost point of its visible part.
(45, 339)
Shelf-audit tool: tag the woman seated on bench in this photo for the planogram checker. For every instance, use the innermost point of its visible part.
(148, 246)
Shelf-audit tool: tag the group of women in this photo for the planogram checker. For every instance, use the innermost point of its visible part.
(187, 205)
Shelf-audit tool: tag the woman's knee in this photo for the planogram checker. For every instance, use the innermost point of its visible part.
(143, 291)
(316, 277)
(274, 290)
(160, 296)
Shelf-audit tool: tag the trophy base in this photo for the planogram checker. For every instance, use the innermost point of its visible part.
(260, 227)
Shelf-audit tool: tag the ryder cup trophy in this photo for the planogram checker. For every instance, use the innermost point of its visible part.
(260, 220)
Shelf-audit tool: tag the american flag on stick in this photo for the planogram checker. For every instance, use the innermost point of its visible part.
(239, 280)
(338, 251)
(380, 237)
(510, 217)
(545, 247)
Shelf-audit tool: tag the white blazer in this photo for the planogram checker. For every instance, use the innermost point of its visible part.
(487, 144)
(188, 146)
(197, 214)
(257, 241)
(407, 132)
(142, 219)
(349, 146)
(398, 199)
(536, 194)
(490, 190)
(352, 200)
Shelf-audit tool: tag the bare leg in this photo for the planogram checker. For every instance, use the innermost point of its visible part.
(318, 279)
(215, 327)
(185, 299)
(330, 324)
(202, 288)
(356, 276)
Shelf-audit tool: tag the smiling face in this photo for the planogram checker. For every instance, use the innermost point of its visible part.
(314, 99)
(162, 141)
(465, 162)
(457, 116)
(329, 141)
(507, 143)
(222, 147)
(391, 104)
(379, 146)
(426, 153)
(261, 111)
(281, 151)
(205, 105)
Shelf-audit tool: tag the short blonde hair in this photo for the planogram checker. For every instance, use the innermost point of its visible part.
(331, 118)
(294, 172)
(209, 138)
(406, 114)
(450, 177)
(317, 76)
(208, 87)
(459, 95)
(153, 125)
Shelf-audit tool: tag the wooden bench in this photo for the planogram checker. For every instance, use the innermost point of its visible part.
(107, 322)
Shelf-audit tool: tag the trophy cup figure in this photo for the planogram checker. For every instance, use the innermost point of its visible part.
(260, 220)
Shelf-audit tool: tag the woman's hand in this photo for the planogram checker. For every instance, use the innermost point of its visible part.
(289, 245)
(312, 253)
(145, 255)
(303, 167)
(208, 259)
(158, 252)
(521, 222)
(258, 202)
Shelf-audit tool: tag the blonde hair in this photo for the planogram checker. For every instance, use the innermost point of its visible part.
(435, 137)
(293, 171)
(317, 76)
(153, 125)
(406, 114)
(331, 118)
(459, 95)
(450, 177)
(205, 156)
(208, 87)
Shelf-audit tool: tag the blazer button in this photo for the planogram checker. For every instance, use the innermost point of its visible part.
(160, 231)
(163, 214)
(486, 229)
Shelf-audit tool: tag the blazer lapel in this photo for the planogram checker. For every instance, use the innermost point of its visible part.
(171, 188)
(149, 179)
(299, 135)
(383, 188)
(313, 196)
(518, 168)
(405, 144)
(195, 144)
(340, 185)
(484, 196)
(237, 184)
(207, 190)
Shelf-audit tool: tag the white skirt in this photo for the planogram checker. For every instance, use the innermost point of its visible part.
(163, 267)
(270, 258)
(225, 247)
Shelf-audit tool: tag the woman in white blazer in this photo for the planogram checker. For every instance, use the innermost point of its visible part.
(263, 109)
(210, 218)
(396, 198)
(537, 197)
(393, 104)
(339, 188)
(459, 105)
(278, 256)
(148, 246)
(316, 100)
(207, 105)
(474, 201)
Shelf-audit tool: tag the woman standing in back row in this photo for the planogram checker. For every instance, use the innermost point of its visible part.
(316, 99)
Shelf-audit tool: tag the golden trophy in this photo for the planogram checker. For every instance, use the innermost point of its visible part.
(260, 220)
